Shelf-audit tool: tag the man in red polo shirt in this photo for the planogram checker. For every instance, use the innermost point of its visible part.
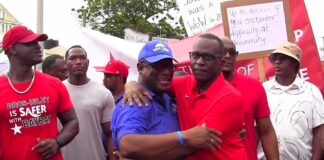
(207, 98)
(256, 109)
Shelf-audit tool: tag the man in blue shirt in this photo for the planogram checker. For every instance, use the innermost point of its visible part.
(153, 132)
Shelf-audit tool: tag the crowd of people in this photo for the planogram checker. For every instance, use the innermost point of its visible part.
(213, 113)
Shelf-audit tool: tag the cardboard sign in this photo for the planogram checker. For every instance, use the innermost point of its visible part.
(134, 36)
(199, 15)
(256, 26)
(166, 40)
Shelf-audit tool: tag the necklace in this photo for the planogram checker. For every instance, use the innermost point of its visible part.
(28, 88)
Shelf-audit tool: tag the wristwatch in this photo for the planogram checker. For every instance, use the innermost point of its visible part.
(58, 142)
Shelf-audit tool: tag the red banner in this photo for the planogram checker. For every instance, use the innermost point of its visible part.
(311, 68)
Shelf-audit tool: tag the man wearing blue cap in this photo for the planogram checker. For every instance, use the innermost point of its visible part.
(153, 132)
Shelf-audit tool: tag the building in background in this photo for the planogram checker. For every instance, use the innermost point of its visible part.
(7, 20)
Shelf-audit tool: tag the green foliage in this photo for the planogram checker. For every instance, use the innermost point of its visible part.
(146, 16)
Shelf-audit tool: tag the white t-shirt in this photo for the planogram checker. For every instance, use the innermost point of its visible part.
(94, 105)
(295, 111)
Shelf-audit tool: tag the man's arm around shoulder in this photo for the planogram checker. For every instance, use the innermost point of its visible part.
(169, 145)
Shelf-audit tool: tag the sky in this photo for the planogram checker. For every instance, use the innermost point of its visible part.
(59, 20)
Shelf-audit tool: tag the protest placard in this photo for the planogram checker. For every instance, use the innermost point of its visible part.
(257, 26)
(135, 36)
(199, 15)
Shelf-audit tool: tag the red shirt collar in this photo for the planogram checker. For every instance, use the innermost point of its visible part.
(215, 87)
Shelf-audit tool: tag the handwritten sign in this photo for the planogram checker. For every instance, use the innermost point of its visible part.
(166, 40)
(256, 27)
(134, 36)
(199, 15)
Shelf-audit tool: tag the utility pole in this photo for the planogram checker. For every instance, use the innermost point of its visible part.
(39, 25)
(160, 30)
(84, 20)
(39, 16)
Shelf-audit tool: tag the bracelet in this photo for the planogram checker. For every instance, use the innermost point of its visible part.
(180, 138)
(58, 142)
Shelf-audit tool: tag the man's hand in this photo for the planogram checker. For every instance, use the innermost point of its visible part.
(135, 92)
(202, 137)
(117, 155)
(46, 147)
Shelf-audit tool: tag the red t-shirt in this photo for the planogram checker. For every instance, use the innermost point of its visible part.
(255, 107)
(219, 107)
(26, 117)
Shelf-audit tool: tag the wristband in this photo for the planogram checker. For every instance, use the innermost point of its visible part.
(58, 142)
(180, 138)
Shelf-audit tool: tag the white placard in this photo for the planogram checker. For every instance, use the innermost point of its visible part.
(134, 36)
(257, 27)
(166, 40)
(199, 15)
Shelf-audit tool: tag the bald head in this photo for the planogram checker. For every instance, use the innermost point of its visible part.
(228, 42)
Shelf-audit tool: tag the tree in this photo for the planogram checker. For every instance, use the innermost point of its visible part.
(147, 16)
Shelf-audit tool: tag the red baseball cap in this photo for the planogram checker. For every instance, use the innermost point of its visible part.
(115, 67)
(20, 34)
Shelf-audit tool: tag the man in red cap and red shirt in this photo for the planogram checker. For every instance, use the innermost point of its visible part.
(30, 103)
(115, 77)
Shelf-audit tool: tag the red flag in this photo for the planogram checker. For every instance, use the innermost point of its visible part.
(111, 57)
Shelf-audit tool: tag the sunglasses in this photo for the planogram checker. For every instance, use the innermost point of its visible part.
(231, 51)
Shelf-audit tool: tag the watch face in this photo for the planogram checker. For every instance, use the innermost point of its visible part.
(58, 142)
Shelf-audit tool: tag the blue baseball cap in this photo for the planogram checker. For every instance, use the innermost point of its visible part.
(154, 51)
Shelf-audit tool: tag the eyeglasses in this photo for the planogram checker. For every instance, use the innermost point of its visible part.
(160, 66)
(194, 56)
(231, 51)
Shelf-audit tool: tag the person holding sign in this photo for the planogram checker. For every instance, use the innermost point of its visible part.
(296, 106)
(256, 107)
(206, 98)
